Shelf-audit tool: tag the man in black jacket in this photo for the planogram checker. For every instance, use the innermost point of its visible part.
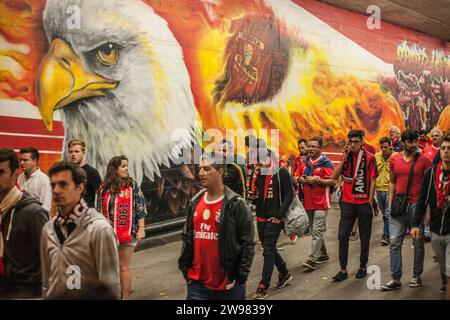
(435, 192)
(274, 195)
(218, 238)
(235, 175)
(22, 219)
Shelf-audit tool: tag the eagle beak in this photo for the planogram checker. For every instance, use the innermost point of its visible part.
(62, 79)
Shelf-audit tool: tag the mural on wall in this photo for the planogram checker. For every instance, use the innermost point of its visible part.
(128, 73)
(422, 84)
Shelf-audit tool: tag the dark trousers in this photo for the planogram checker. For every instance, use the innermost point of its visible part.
(197, 291)
(269, 233)
(349, 213)
(12, 291)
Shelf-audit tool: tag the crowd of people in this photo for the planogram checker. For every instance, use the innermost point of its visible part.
(86, 246)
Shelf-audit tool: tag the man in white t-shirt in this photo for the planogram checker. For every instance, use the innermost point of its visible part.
(33, 180)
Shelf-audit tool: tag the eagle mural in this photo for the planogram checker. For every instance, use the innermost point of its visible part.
(121, 92)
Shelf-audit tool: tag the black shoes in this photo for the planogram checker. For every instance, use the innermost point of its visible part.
(362, 273)
(341, 276)
(283, 279)
(309, 265)
(261, 293)
(323, 260)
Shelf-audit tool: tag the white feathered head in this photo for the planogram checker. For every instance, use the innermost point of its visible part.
(117, 72)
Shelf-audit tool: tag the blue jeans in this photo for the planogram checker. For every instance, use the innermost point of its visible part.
(397, 228)
(382, 198)
(197, 291)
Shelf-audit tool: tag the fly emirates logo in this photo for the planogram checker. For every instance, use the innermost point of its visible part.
(205, 233)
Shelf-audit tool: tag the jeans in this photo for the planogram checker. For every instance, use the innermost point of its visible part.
(317, 225)
(397, 228)
(382, 198)
(197, 291)
(349, 213)
(268, 234)
(441, 246)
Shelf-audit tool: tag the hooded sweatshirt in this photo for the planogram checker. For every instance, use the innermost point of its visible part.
(21, 230)
(91, 249)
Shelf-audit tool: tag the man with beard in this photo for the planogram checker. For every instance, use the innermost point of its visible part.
(407, 170)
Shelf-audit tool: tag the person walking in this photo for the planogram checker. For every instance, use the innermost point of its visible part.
(122, 202)
(78, 246)
(359, 172)
(435, 193)
(383, 159)
(218, 238)
(316, 177)
(407, 171)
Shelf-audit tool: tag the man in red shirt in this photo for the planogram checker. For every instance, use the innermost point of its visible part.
(316, 177)
(358, 169)
(436, 139)
(218, 238)
(424, 140)
(401, 165)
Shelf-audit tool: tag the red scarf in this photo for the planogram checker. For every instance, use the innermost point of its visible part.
(121, 217)
(357, 173)
(268, 179)
(442, 184)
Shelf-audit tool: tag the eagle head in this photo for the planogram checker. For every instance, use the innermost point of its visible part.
(117, 73)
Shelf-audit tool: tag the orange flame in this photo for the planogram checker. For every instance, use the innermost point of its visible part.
(26, 32)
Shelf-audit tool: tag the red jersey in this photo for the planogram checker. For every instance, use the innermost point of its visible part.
(425, 143)
(430, 152)
(316, 197)
(400, 168)
(207, 267)
(369, 148)
(347, 187)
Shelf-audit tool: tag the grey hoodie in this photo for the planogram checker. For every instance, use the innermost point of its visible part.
(91, 249)
(21, 249)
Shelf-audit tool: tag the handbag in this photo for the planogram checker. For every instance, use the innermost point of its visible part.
(400, 201)
(297, 221)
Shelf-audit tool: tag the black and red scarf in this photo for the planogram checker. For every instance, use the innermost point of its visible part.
(357, 174)
(121, 214)
(442, 184)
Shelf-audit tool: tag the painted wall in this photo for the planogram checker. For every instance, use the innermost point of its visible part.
(123, 75)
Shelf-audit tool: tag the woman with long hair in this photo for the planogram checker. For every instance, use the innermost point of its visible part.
(122, 202)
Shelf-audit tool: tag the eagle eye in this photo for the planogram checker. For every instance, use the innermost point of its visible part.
(108, 54)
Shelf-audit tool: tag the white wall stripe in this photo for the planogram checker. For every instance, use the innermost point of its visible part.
(23, 109)
(30, 135)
